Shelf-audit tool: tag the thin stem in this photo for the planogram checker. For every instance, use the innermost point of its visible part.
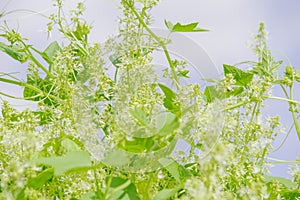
(10, 96)
(96, 180)
(33, 59)
(116, 75)
(236, 106)
(285, 138)
(283, 99)
(278, 161)
(40, 65)
(22, 84)
(292, 109)
(284, 90)
(160, 42)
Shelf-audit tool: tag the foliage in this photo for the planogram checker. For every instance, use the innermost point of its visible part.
(95, 135)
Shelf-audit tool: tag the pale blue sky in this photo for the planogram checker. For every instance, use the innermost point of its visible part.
(232, 22)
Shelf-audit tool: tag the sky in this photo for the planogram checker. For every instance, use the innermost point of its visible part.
(232, 24)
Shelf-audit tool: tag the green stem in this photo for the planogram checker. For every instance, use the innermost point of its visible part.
(22, 84)
(10, 96)
(107, 186)
(236, 106)
(284, 90)
(116, 75)
(283, 99)
(160, 42)
(277, 161)
(292, 109)
(292, 103)
(33, 59)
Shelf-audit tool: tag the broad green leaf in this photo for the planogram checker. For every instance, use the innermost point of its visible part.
(140, 116)
(51, 51)
(211, 93)
(116, 158)
(234, 91)
(175, 169)
(128, 190)
(72, 161)
(170, 99)
(70, 145)
(167, 123)
(284, 181)
(166, 194)
(14, 53)
(40, 180)
(192, 27)
(89, 196)
(137, 145)
(242, 78)
(21, 194)
(120, 195)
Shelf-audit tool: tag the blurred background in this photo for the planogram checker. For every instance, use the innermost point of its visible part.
(232, 24)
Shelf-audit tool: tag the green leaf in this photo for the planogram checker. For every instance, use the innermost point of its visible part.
(284, 181)
(211, 93)
(89, 196)
(167, 123)
(140, 116)
(192, 27)
(14, 53)
(50, 52)
(72, 161)
(70, 145)
(166, 194)
(128, 190)
(234, 91)
(242, 78)
(176, 170)
(45, 85)
(170, 99)
(39, 181)
(93, 196)
(169, 25)
(137, 145)
(116, 158)
(115, 60)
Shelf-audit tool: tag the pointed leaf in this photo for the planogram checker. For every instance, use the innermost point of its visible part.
(234, 91)
(175, 169)
(192, 27)
(140, 116)
(71, 161)
(51, 51)
(211, 93)
(170, 99)
(166, 194)
(116, 158)
(167, 123)
(14, 53)
(169, 25)
(129, 191)
(115, 60)
(242, 78)
(41, 179)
